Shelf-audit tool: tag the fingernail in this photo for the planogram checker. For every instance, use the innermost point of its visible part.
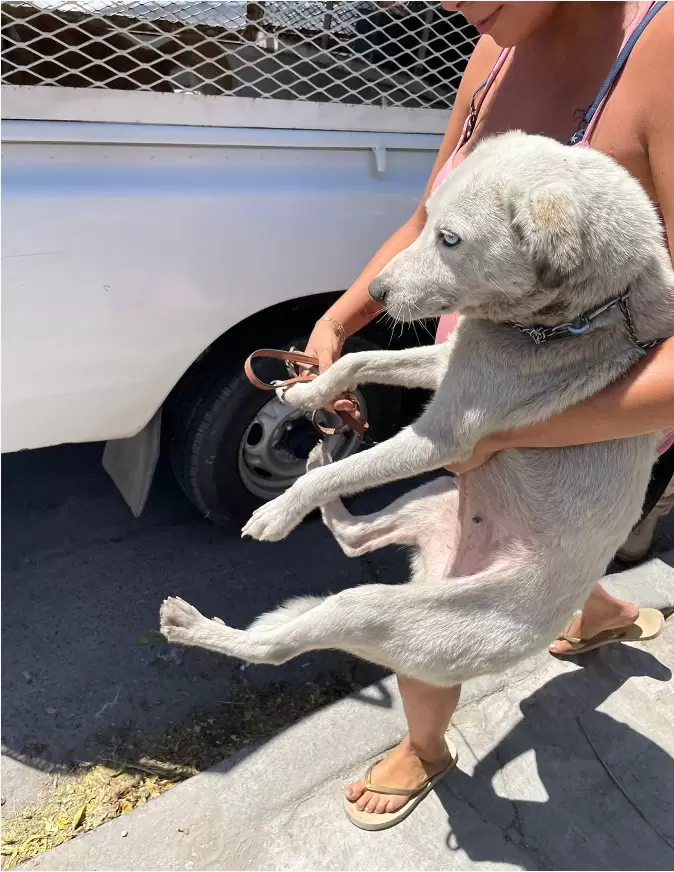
(348, 791)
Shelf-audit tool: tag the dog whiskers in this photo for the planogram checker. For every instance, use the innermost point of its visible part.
(385, 317)
(422, 323)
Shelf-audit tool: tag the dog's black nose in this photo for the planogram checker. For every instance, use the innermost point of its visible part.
(378, 288)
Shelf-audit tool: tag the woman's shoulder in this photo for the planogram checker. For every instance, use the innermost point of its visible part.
(652, 60)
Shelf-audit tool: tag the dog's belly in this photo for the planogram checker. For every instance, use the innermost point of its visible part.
(571, 507)
(463, 532)
(484, 535)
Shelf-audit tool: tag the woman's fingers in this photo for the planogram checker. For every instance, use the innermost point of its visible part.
(482, 452)
(346, 406)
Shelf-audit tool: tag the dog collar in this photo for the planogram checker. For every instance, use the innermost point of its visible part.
(540, 333)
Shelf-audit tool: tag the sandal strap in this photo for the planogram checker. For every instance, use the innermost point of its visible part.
(393, 791)
(605, 636)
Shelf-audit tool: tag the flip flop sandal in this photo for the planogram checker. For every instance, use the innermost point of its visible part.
(371, 821)
(648, 625)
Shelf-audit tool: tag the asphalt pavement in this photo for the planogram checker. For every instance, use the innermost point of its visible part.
(82, 581)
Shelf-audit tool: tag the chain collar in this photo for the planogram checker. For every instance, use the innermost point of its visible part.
(540, 334)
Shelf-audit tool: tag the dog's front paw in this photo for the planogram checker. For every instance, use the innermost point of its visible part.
(274, 520)
(180, 622)
(302, 395)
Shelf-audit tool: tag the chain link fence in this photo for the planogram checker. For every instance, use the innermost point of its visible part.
(408, 54)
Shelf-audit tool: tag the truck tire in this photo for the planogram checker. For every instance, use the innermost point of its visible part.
(233, 446)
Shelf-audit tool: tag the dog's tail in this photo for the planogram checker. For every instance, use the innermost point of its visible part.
(286, 612)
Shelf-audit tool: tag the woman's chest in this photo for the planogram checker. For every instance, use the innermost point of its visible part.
(556, 109)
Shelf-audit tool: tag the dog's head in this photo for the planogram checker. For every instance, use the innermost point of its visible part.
(524, 229)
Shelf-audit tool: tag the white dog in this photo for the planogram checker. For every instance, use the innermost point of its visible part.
(554, 258)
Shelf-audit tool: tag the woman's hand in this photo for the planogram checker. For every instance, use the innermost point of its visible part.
(640, 402)
(483, 451)
(325, 343)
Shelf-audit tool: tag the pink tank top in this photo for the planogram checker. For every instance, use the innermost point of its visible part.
(581, 138)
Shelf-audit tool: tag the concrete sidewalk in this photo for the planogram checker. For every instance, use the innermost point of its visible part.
(562, 765)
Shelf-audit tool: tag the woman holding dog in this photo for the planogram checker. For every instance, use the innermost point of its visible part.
(542, 67)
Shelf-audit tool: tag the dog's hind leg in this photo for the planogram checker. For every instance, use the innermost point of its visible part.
(362, 534)
(440, 634)
(401, 523)
(353, 620)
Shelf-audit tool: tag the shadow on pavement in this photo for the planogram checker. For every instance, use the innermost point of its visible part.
(82, 585)
(604, 792)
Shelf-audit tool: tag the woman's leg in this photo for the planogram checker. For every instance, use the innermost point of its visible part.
(420, 755)
(641, 538)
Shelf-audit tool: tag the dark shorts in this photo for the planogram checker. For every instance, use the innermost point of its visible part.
(663, 471)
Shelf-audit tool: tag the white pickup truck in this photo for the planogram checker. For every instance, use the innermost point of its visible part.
(183, 183)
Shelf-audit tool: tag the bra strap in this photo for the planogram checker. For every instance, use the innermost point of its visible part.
(614, 72)
(482, 91)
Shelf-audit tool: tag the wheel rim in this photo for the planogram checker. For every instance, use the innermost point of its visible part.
(275, 446)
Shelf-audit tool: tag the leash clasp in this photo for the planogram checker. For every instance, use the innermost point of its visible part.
(304, 368)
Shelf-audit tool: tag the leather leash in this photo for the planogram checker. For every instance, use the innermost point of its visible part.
(293, 360)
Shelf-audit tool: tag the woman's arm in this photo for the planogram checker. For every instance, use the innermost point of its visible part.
(355, 308)
(641, 402)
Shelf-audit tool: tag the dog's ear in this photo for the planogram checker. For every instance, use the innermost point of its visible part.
(547, 229)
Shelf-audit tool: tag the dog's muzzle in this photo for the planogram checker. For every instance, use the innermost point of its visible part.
(379, 288)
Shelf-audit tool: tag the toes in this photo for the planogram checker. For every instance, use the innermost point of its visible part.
(361, 805)
(364, 801)
(175, 612)
(246, 528)
(354, 791)
(273, 521)
(179, 622)
(294, 395)
(259, 523)
(382, 805)
(367, 801)
(560, 646)
(372, 803)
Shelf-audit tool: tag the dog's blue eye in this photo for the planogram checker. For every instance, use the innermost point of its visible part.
(450, 239)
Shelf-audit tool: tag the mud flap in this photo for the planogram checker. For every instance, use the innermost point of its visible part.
(131, 463)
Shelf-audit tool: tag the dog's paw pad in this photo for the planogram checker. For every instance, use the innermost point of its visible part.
(272, 521)
(177, 619)
(300, 395)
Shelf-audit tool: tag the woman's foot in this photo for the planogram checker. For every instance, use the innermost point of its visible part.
(596, 617)
(404, 768)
